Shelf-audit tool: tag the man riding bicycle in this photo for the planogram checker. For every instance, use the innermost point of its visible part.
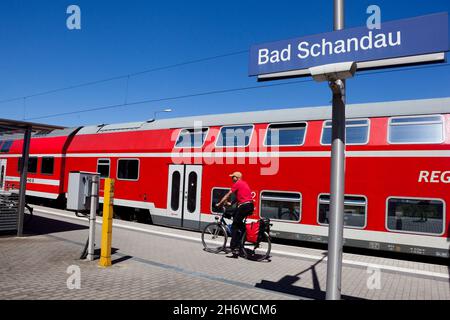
(245, 208)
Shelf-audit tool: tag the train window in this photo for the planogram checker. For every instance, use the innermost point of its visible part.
(192, 192)
(217, 195)
(128, 169)
(415, 215)
(103, 167)
(192, 138)
(356, 132)
(32, 164)
(421, 129)
(47, 165)
(6, 146)
(286, 134)
(175, 192)
(234, 136)
(2, 176)
(281, 205)
(355, 211)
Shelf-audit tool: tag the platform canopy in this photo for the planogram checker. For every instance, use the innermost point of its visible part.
(12, 130)
(13, 127)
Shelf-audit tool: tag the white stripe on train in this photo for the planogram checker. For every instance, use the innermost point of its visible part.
(47, 195)
(282, 154)
(47, 182)
(437, 242)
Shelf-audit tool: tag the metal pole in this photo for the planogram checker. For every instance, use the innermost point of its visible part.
(337, 184)
(23, 180)
(92, 216)
(339, 17)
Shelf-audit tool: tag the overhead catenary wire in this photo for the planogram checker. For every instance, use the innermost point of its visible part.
(125, 76)
(24, 104)
(113, 106)
(222, 91)
(126, 89)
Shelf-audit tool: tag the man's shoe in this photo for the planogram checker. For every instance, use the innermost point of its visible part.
(234, 254)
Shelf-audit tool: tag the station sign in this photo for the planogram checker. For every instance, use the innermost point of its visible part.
(422, 39)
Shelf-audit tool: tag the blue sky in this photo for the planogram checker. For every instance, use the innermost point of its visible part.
(120, 37)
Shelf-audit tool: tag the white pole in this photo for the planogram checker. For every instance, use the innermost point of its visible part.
(337, 183)
(92, 216)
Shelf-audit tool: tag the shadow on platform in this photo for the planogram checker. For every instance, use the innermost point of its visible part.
(114, 251)
(121, 259)
(286, 285)
(39, 225)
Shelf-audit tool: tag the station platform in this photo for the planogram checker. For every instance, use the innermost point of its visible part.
(154, 262)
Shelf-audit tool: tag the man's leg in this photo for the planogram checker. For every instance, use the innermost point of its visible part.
(236, 232)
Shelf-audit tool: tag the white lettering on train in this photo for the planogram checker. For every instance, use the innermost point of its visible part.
(434, 176)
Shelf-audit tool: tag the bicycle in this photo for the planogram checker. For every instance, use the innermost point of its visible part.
(215, 237)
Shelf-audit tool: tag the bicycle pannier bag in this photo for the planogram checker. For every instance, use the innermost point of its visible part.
(252, 230)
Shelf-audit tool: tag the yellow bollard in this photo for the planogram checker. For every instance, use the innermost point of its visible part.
(108, 198)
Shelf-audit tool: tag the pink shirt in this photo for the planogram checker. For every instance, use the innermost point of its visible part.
(242, 191)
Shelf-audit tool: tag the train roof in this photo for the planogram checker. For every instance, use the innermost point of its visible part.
(55, 133)
(366, 110)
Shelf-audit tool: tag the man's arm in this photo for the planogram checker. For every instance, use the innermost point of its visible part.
(225, 198)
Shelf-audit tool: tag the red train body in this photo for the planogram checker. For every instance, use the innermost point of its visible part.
(397, 170)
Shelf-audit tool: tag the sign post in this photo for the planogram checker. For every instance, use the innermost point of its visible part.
(334, 57)
(95, 181)
(337, 185)
(397, 43)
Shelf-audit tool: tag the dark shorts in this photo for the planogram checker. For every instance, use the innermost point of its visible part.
(245, 210)
(238, 226)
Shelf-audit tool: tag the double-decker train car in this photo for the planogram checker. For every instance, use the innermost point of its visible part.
(46, 163)
(173, 171)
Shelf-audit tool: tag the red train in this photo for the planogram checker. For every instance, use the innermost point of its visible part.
(172, 171)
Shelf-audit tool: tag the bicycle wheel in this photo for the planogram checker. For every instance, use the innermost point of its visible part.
(214, 237)
(256, 251)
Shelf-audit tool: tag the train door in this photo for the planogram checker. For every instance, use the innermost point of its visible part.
(183, 195)
(2, 173)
